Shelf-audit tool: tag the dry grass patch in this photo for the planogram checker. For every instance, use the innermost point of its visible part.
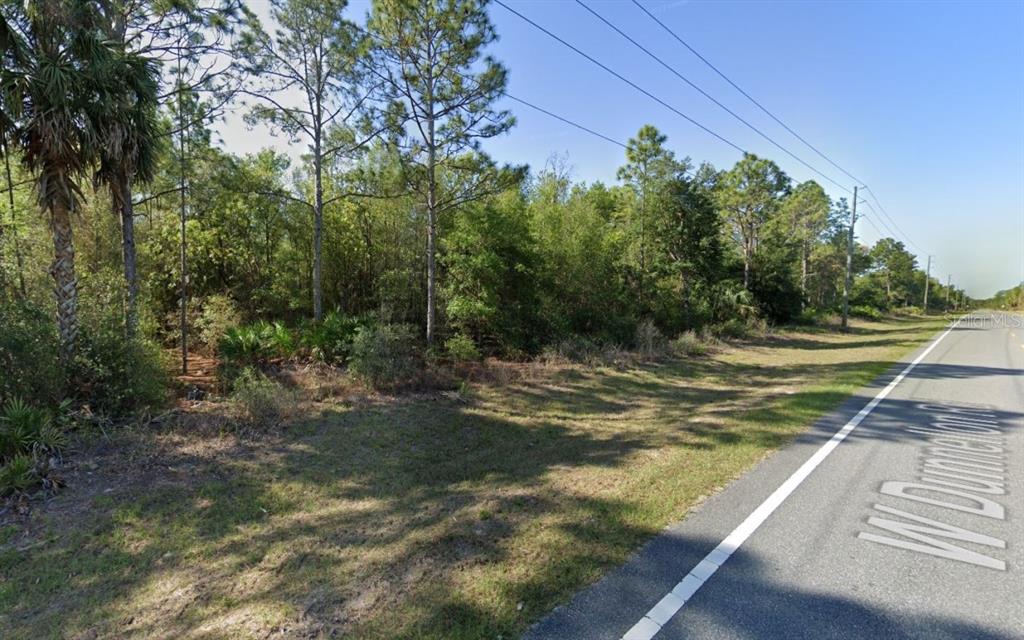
(460, 516)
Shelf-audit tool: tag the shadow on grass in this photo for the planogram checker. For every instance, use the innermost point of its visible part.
(424, 519)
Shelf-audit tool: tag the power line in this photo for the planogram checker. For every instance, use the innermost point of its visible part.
(686, 172)
(670, 107)
(565, 120)
(894, 230)
(622, 78)
(618, 143)
(888, 230)
(704, 93)
(778, 120)
(745, 94)
(872, 223)
(886, 213)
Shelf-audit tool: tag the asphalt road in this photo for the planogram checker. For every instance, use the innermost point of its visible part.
(908, 524)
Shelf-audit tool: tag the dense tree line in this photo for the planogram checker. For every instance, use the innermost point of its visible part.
(394, 210)
(1012, 298)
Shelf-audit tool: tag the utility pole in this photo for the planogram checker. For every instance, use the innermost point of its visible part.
(848, 281)
(927, 277)
(949, 285)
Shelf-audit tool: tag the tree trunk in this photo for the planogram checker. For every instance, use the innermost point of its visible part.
(803, 271)
(183, 261)
(746, 265)
(14, 220)
(131, 273)
(431, 216)
(318, 226)
(803, 275)
(63, 272)
(643, 238)
(431, 243)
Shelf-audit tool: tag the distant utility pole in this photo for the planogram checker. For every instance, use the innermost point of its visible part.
(927, 277)
(848, 281)
(949, 285)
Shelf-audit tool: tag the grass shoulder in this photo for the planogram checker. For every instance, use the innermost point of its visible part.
(463, 514)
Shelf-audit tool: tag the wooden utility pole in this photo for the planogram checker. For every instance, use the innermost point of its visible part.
(927, 277)
(949, 285)
(848, 281)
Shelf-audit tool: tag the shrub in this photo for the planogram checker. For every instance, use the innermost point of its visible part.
(738, 329)
(615, 355)
(20, 426)
(384, 356)
(650, 342)
(116, 376)
(257, 342)
(218, 315)
(240, 344)
(29, 435)
(689, 343)
(261, 402)
(583, 350)
(574, 348)
(252, 345)
(818, 318)
(17, 474)
(811, 317)
(461, 348)
(330, 340)
(864, 311)
(29, 355)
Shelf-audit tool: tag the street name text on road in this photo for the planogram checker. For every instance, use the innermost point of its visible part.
(962, 469)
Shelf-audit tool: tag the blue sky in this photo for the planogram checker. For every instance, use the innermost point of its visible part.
(924, 102)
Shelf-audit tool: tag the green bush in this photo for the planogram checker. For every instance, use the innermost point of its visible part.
(252, 345)
(20, 426)
(261, 402)
(29, 355)
(810, 317)
(257, 342)
(17, 474)
(575, 348)
(218, 315)
(689, 343)
(29, 435)
(385, 356)
(116, 376)
(866, 312)
(330, 340)
(461, 348)
(733, 328)
(739, 329)
(650, 343)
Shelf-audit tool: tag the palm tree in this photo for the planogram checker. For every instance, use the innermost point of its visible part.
(129, 155)
(56, 86)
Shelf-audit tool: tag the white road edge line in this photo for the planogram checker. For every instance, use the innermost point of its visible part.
(668, 606)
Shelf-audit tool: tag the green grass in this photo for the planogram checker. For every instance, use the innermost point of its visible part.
(419, 517)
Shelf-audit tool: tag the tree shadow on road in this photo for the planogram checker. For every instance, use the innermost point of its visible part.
(745, 599)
